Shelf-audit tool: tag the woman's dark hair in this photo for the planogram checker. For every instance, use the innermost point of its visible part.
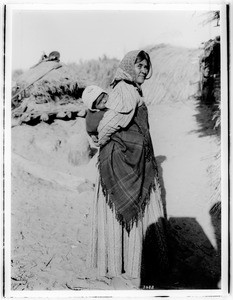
(144, 55)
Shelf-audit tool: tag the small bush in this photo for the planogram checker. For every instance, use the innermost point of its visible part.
(99, 72)
(210, 78)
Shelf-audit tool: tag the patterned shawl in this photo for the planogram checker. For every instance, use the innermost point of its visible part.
(127, 164)
(126, 71)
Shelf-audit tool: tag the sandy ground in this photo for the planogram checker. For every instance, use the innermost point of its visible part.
(184, 153)
(52, 191)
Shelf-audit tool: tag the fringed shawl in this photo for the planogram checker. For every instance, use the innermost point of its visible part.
(128, 169)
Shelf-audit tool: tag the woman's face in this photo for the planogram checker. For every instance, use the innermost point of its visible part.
(142, 70)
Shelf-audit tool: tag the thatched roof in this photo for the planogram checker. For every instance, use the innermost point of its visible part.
(46, 82)
(176, 74)
(49, 78)
(37, 72)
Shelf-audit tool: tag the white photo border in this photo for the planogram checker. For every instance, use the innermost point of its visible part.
(226, 232)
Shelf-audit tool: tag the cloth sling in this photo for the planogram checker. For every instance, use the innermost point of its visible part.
(92, 121)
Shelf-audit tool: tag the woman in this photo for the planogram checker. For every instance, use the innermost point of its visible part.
(127, 198)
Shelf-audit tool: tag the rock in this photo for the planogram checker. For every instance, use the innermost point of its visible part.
(61, 114)
(44, 117)
(82, 113)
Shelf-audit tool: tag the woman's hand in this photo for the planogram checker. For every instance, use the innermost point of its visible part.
(95, 140)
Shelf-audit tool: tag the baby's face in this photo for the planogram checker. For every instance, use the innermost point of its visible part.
(101, 101)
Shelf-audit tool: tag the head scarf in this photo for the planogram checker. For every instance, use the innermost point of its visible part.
(126, 69)
(90, 94)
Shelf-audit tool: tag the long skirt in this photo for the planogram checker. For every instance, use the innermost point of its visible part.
(112, 251)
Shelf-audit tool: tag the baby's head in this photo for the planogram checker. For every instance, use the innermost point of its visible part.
(100, 102)
(94, 97)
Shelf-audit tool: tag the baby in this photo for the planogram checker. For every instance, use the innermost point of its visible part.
(106, 114)
(95, 99)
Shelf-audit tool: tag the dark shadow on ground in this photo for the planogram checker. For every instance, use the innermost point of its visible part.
(160, 159)
(204, 118)
(193, 262)
(155, 256)
(52, 119)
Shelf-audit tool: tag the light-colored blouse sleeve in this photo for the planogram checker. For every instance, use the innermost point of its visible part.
(121, 105)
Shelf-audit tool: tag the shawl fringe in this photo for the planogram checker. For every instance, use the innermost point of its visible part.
(140, 214)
